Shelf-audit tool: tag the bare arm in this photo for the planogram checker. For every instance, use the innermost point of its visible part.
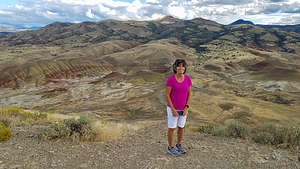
(189, 95)
(187, 101)
(168, 98)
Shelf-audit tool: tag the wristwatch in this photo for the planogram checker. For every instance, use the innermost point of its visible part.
(187, 106)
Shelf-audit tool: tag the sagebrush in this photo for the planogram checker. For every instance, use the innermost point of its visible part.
(74, 129)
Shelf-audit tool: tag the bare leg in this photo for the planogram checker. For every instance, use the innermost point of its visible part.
(170, 136)
(179, 135)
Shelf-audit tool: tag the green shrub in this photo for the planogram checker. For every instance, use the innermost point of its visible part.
(219, 131)
(278, 135)
(263, 137)
(237, 130)
(269, 127)
(241, 115)
(226, 106)
(71, 129)
(287, 135)
(294, 137)
(4, 132)
(281, 135)
(56, 131)
(207, 128)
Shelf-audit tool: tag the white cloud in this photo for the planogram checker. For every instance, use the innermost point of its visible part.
(105, 10)
(124, 17)
(20, 7)
(292, 1)
(52, 13)
(90, 14)
(156, 16)
(5, 12)
(134, 7)
(176, 10)
(42, 12)
(152, 1)
(74, 2)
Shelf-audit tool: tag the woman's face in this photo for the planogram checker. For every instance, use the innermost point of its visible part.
(180, 69)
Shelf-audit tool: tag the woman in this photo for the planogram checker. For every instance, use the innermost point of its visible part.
(178, 92)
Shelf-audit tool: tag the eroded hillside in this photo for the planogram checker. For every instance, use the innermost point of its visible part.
(117, 69)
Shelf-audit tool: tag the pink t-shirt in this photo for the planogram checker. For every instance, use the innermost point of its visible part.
(179, 91)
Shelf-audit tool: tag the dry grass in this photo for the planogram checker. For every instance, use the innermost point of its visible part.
(104, 130)
(59, 117)
(14, 116)
(269, 37)
(17, 54)
(109, 130)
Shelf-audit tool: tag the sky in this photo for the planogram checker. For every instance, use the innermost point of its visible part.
(38, 13)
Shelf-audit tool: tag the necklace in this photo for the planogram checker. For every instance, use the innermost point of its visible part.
(180, 78)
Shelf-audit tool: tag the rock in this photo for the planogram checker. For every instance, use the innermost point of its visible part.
(15, 166)
(84, 165)
(260, 160)
(276, 156)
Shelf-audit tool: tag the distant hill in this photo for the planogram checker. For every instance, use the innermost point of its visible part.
(288, 28)
(192, 33)
(95, 32)
(69, 42)
(241, 21)
(5, 30)
(4, 33)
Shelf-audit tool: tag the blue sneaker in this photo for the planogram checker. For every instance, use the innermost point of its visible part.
(180, 149)
(173, 151)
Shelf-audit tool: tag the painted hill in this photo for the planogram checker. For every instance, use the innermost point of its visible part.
(94, 66)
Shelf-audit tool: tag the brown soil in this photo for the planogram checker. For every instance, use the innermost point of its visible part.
(145, 148)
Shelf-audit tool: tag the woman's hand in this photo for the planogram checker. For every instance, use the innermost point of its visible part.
(185, 111)
(175, 113)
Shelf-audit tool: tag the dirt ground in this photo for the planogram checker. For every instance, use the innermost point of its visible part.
(144, 148)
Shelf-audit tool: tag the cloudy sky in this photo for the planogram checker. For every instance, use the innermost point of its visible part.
(37, 13)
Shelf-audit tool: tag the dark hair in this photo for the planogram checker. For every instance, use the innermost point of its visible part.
(177, 63)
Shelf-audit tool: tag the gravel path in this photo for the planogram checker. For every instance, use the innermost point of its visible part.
(145, 148)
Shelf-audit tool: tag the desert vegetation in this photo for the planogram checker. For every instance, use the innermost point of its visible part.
(74, 129)
(70, 127)
(281, 136)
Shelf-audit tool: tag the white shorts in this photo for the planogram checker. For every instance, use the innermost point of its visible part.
(173, 121)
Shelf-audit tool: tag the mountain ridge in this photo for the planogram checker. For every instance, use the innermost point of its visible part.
(193, 33)
(241, 21)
